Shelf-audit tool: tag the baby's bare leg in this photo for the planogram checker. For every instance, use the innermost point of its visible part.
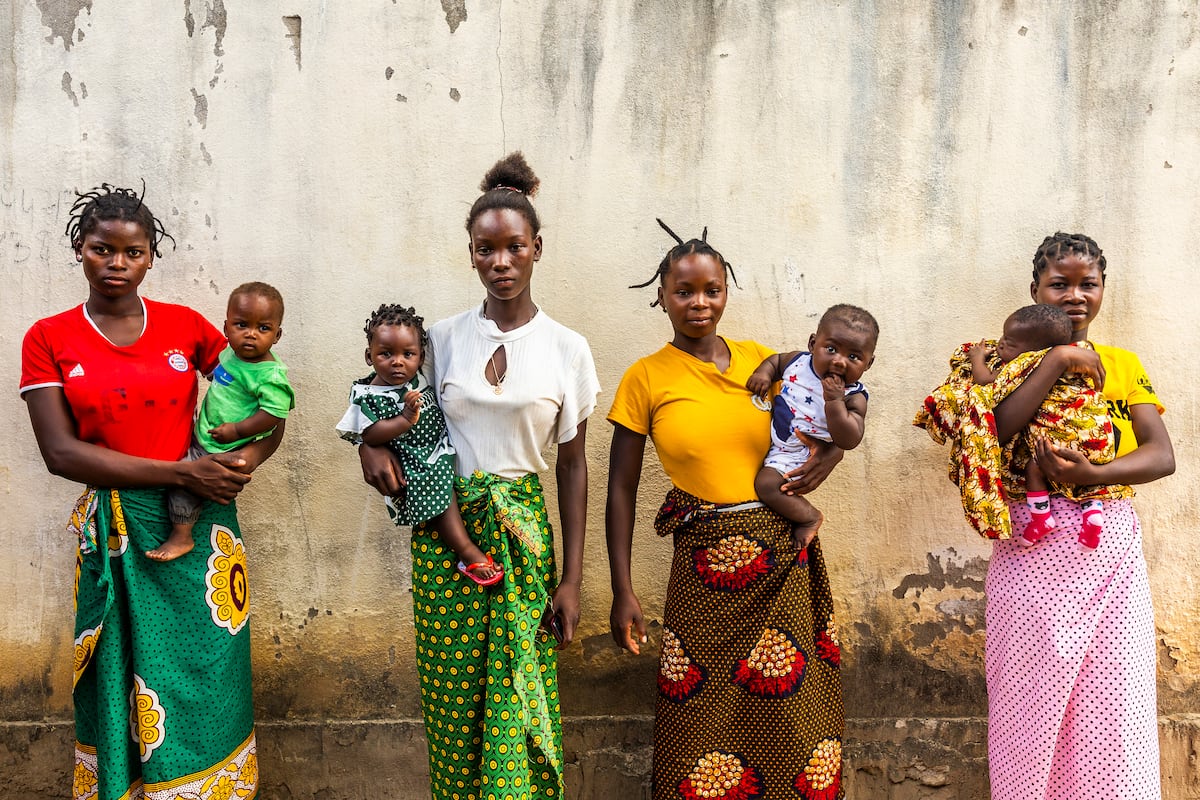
(805, 517)
(454, 533)
(183, 509)
(179, 543)
(1035, 481)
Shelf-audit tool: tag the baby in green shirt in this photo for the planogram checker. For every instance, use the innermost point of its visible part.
(249, 387)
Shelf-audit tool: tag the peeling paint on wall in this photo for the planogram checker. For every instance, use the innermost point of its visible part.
(201, 109)
(944, 570)
(59, 16)
(66, 85)
(214, 17)
(293, 25)
(456, 13)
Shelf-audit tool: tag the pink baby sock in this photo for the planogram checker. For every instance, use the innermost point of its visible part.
(1042, 523)
(1093, 523)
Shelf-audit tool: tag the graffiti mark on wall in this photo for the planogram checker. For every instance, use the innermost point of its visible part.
(31, 222)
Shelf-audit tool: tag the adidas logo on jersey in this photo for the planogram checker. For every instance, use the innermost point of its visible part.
(76, 372)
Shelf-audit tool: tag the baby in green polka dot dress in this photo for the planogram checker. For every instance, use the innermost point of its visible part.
(395, 406)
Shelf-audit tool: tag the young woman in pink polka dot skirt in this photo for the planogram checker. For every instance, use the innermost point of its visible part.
(1072, 709)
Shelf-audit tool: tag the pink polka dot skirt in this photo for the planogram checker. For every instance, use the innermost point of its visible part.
(1072, 706)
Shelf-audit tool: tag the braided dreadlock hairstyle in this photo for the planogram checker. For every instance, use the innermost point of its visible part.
(692, 246)
(401, 316)
(108, 202)
(1062, 244)
(508, 184)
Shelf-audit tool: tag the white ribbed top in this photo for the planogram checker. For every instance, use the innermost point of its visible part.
(549, 388)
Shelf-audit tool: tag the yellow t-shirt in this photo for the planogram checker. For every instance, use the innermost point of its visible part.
(1125, 384)
(710, 437)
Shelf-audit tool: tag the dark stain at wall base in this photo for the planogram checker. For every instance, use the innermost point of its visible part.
(456, 13)
(59, 16)
(882, 678)
(29, 698)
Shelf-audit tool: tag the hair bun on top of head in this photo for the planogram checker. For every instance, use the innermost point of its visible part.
(508, 185)
(511, 173)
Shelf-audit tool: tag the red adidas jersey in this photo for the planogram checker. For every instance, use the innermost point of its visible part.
(139, 399)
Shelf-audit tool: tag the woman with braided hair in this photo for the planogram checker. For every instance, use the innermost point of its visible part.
(511, 383)
(1072, 709)
(162, 650)
(749, 688)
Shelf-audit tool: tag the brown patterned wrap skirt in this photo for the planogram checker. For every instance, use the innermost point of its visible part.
(749, 682)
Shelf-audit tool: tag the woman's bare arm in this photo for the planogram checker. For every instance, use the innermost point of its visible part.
(381, 469)
(624, 474)
(824, 456)
(68, 456)
(1154, 457)
(253, 454)
(1015, 411)
(571, 473)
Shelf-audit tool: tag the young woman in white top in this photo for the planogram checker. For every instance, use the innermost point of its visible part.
(511, 383)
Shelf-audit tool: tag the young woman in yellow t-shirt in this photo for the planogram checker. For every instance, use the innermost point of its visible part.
(749, 687)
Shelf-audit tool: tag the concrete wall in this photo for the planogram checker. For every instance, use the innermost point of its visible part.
(907, 157)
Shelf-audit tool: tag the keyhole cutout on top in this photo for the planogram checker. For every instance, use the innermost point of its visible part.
(496, 370)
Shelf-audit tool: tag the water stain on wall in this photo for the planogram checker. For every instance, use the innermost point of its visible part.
(572, 53)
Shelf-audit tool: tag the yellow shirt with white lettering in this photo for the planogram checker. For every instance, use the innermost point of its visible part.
(1125, 384)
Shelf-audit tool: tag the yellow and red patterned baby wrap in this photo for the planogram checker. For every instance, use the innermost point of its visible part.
(990, 474)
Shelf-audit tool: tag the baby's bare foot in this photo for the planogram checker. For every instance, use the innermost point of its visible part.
(803, 534)
(175, 546)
